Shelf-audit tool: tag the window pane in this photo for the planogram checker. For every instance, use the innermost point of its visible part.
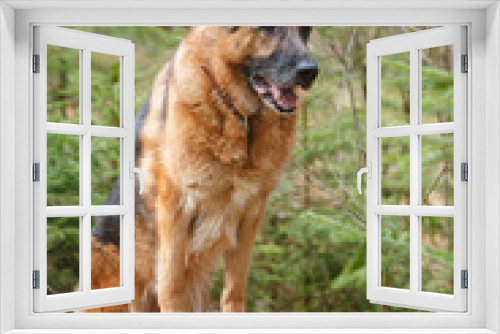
(395, 238)
(63, 84)
(437, 84)
(63, 254)
(63, 170)
(437, 169)
(395, 171)
(105, 252)
(105, 171)
(395, 90)
(105, 89)
(437, 254)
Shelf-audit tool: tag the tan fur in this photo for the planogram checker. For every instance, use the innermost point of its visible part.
(207, 187)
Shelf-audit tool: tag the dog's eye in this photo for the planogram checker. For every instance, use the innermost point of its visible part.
(268, 30)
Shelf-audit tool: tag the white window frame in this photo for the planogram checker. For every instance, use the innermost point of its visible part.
(85, 43)
(413, 43)
(483, 208)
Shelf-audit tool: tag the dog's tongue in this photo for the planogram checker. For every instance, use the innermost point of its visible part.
(285, 96)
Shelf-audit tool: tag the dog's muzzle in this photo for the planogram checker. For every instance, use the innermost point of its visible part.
(279, 92)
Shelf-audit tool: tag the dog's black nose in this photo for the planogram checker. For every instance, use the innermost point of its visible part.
(306, 72)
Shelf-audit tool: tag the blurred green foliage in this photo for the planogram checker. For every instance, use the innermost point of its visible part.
(310, 255)
(395, 76)
(63, 167)
(63, 243)
(395, 239)
(105, 89)
(105, 162)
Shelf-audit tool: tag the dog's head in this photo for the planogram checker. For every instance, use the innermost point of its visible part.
(275, 61)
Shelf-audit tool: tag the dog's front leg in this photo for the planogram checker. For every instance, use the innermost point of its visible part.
(237, 260)
(172, 241)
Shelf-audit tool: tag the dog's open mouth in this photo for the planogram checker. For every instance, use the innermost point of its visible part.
(282, 99)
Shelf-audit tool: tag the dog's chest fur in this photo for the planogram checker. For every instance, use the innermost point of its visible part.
(217, 191)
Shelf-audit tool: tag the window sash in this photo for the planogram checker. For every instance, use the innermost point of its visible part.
(414, 298)
(86, 43)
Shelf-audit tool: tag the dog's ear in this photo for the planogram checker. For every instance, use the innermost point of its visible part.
(304, 33)
(233, 29)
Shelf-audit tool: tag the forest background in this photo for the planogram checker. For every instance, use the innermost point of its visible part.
(310, 255)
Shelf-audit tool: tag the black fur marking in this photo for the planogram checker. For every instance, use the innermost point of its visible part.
(193, 224)
(305, 32)
(269, 30)
(139, 124)
(107, 228)
(280, 66)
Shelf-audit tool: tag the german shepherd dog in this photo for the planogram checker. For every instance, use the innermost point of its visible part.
(213, 140)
